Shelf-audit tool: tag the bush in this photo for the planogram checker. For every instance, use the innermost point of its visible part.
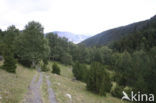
(98, 79)
(9, 62)
(45, 65)
(117, 92)
(56, 69)
(80, 72)
(44, 68)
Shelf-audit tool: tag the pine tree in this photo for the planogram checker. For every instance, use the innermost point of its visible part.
(80, 72)
(98, 79)
(45, 65)
(9, 61)
(56, 69)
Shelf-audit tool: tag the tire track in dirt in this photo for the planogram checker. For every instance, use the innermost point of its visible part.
(34, 92)
(52, 97)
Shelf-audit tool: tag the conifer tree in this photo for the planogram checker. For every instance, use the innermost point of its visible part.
(56, 69)
(9, 61)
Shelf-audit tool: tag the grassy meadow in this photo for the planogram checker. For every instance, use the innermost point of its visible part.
(64, 84)
(14, 86)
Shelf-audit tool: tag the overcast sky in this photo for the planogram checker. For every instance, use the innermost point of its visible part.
(78, 16)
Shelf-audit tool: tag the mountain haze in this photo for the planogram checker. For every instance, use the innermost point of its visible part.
(75, 38)
(115, 34)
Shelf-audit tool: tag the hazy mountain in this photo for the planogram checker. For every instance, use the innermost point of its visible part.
(115, 34)
(75, 38)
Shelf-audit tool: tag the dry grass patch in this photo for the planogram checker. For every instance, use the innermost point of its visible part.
(77, 90)
(14, 86)
(63, 85)
(66, 71)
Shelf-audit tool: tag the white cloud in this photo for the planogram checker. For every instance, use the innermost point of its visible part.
(77, 16)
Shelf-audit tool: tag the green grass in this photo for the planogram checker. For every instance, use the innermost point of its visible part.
(14, 86)
(64, 84)
(66, 70)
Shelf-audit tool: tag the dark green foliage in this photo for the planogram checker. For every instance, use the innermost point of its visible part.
(45, 61)
(9, 61)
(150, 78)
(122, 62)
(80, 72)
(31, 44)
(44, 68)
(102, 55)
(58, 46)
(136, 70)
(7, 46)
(139, 40)
(8, 38)
(66, 58)
(56, 69)
(117, 92)
(26, 63)
(98, 79)
(10, 35)
(81, 54)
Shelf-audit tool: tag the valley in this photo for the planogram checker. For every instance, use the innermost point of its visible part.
(45, 68)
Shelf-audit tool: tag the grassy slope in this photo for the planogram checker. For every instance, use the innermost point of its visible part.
(63, 85)
(14, 86)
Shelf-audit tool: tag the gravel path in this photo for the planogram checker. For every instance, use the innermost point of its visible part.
(52, 97)
(34, 93)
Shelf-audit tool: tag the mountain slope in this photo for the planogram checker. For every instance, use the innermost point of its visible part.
(115, 34)
(75, 38)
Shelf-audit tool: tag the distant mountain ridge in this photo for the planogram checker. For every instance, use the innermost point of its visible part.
(75, 38)
(115, 34)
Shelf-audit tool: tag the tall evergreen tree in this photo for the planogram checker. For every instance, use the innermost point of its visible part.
(9, 61)
(98, 79)
(55, 69)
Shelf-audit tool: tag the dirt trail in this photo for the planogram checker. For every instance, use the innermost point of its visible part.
(34, 93)
(52, 97)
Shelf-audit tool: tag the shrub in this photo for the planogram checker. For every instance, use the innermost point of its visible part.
(9, 62)
(117, 92)
(80, 72)
(98, 79)
(128, 90)
(44, 68)
(56, 69)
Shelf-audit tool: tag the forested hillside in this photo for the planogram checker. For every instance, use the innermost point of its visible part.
(115, 34)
